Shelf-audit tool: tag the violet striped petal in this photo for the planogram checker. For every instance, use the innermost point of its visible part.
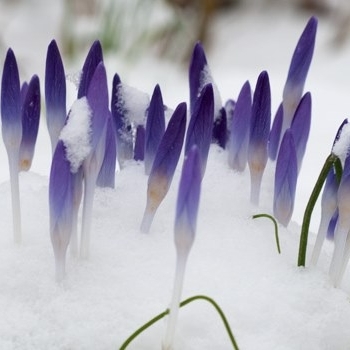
(93, 58)
(30, 123)
(55, 93)
(259, 133)
(298, 71)
(106, 176)
(61, 195)
(200, 127)
(11, 104)
(155, 127)
(164, 164)
(139, 149)
(301, 126)
(275, 133)
(285, 180)
(239, 135)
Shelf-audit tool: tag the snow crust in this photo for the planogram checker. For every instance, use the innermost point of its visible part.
(342, 145)
(76, 134)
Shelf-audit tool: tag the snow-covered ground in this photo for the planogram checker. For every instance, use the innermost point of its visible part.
(269, 302)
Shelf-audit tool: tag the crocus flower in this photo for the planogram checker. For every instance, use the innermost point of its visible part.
(239, 129)
(297, 73)
(97, 97)
(275, 133)
(285, 179)
(341, 251)
(328, 209)
(200, 127)
(30, 123)
(24, 89)
(301, 126)
(139, 149)
(185, 230)
(61, 207)
(11, 126)
(55, 93)
(259, 133)
(220, 129)
(93, 58)
(106, 176)
(164, 164)
(155, 126)
(122, 124)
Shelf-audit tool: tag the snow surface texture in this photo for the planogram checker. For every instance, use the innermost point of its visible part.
(269, 302)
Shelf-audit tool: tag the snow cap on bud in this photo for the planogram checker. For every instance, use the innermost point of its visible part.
(30, 123)
(55, 93)
(285, 179)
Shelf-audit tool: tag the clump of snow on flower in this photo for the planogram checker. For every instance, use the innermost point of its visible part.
(76, 133)
(74, 78)
(207, 78)
(133, 103)
(342, 146)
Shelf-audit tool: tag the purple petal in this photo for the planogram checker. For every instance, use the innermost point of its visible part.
(188, 201)
(24, 89)
(197, 65)
(93, 58)
(200, 127)
(275, 133)
(298, 70)
(240, 123)
(332, 225)
(139, 150)
(55, 93)
(106, 176)
(301, 126)
(30, 123)
(155, 126)
(97, 96)
(11, 103)
(285, 179)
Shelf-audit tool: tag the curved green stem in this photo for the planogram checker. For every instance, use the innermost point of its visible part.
(183, 303)
(276, 228)
(332, 160)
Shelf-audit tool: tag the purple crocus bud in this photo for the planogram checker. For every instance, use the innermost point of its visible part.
(341, 251)
(155, 126)
(197, 67)
(184, 232)
(275, 133)
(122, 123)
(93, 58)
(341, 141)
(11, 104)
(164, 164)
(332, 225)
(220, 129)
(139, 150)
(55, 93)
(259, 133)
(239, 135)
(229, 108)
(106, 176)
(328, 209)
(30, 123)
(97, 97)
(285, 180)
(301, 126)
(11, 127)
(61, 196)
(24, 89)
(200, 127)
(297, 73)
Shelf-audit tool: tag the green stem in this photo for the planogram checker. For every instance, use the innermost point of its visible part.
(331, 160)
(183, 303)
(276, 228)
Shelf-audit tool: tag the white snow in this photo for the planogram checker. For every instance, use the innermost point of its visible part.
(270, 303)
(76, 134)
(342, 146)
